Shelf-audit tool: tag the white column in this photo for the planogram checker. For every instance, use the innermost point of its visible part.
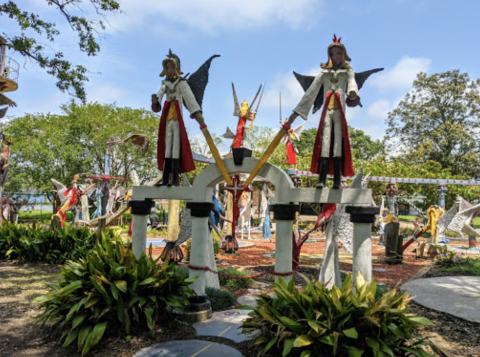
(139, 234)
(362, 250)
(198, 254)
(283, 248)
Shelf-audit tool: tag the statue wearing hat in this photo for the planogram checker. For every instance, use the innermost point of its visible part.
(335, 87)
(174, 155)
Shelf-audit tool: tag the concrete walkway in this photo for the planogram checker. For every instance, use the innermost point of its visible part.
(455, 295)
(188, 348)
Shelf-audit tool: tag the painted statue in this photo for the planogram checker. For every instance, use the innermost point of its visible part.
(244, 114)
(332, 151)
(289, 139)
(174, 154)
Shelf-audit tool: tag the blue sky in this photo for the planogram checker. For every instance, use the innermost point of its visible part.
(259, 40)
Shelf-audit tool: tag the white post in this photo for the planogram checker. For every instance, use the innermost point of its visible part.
(202, 247)
(140, 212)
(198, 253)
(139, 234)
(362, 219)
(284, 214)
(283, 248)
(362, 250)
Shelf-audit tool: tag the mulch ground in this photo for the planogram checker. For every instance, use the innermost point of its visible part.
(253, 257)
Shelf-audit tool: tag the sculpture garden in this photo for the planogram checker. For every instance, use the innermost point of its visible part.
(123, 234)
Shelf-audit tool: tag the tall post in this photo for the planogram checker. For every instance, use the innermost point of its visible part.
(362, 219)
(441, 190)
(140, 212)
(201, 256)
(284, 214)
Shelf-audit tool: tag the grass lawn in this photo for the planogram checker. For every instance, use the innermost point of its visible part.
(462, 266)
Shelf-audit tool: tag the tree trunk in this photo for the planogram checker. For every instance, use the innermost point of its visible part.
(393, 244)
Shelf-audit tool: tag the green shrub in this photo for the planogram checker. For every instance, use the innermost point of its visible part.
(41, 243)
(231, 283)
(220, 299)
(112, 290)
(334, 322)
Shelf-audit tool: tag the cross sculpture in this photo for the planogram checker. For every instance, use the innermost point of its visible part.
(236, 190)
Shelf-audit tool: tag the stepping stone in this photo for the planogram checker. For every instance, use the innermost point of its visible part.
(247, 300)
(380, 270)
(455, 295)
(185, 348)
(224, 324)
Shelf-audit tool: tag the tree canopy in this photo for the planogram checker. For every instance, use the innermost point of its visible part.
(438, 120)
(32, 30)
(49, 146)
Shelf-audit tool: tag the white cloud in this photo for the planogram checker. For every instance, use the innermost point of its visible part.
(105, 94)
(291, 90)
(402, 75)
(380, 108)
(210, 15)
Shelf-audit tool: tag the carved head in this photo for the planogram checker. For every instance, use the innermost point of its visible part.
(337, 55)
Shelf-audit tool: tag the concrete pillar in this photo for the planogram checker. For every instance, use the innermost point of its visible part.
(362, 219)
(202, 245)
(140, 212)
(284, 214)
(201, 256)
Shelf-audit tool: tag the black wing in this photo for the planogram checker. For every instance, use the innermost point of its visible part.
(361, 77)
(198, 81)
(305, 82)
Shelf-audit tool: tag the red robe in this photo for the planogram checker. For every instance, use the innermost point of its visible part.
(291, 154)
(347, 169)
(186, 158)
(238, 140)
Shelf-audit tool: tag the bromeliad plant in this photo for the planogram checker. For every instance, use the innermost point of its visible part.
(112, 290)
(344, 321)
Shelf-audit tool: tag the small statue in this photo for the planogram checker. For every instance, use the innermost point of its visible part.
(174, 154)
(290, 148)
(329, 88)
(244, 114)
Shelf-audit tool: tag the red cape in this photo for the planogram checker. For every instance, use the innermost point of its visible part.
(186, 158)
(238, 140)
(347, 169)
(290, 151)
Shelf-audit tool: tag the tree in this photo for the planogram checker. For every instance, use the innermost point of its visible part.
(68, 75)
(363, 147)
(60, 146)
(439, 121)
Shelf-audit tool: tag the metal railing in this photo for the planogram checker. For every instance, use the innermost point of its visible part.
(9, 68)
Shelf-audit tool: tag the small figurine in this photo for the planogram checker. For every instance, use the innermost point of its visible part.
(174, 154)
(329, 88)
(244, 114)
(290, 148)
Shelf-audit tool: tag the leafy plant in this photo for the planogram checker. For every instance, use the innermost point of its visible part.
(220, 299)
(40, 243)
(109, 290)
(232, 283)
(346, 321)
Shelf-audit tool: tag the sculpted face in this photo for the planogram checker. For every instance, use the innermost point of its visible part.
(170, 70)
(336, 54)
